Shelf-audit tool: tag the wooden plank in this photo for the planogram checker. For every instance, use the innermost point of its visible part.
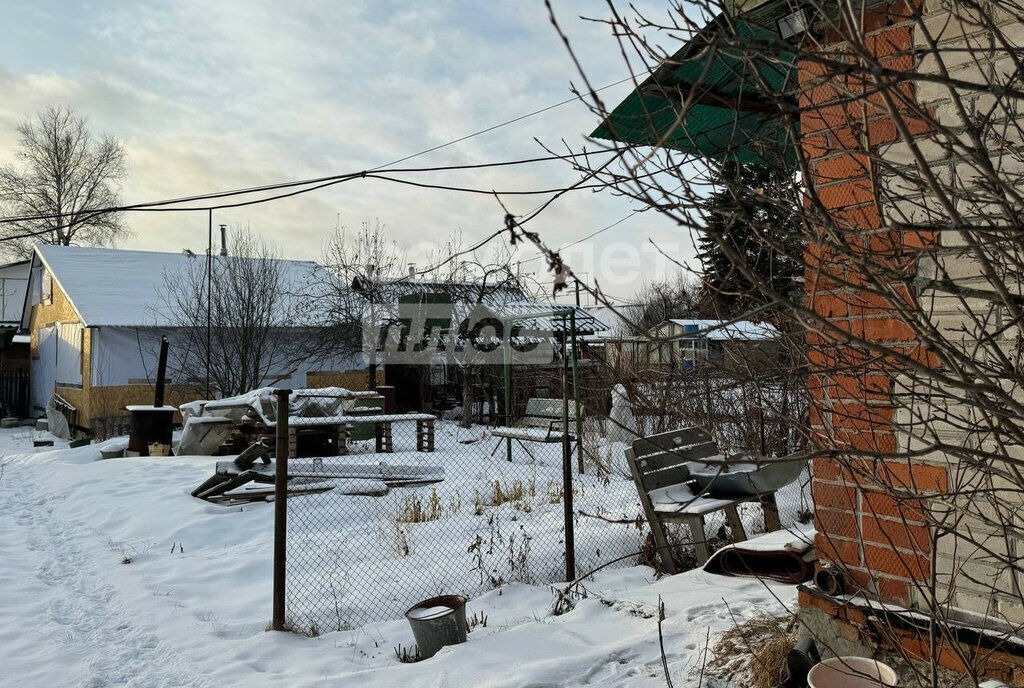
(668, 459)
(252, 453)
(327, 469)
(695, 523)
(668, 441)
(263, 495)
(732, 517)
(665, 478)
(668, 564)
(771, 512)
(229, 484)
(210, 482)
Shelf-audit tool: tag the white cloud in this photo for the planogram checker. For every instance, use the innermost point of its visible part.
(210, 96)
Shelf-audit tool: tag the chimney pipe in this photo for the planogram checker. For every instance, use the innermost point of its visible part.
(223, 240)
(161, 374)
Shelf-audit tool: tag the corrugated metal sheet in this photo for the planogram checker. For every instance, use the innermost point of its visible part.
(538, 317)
(720, 72)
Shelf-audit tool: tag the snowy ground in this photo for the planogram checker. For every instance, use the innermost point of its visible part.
(354, 559)
(113, 575)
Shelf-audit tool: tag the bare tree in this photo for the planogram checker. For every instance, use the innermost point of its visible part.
(473, 281)
(63, 178)
(675, 297)
(364, 269)
(262, 317)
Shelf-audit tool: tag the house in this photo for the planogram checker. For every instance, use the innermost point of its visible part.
(445, 373)
(14, 347)
(916, 525)
(684, 343)
(95, 317)
(735, 345)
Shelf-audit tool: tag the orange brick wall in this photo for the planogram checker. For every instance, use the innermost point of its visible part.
(882, 542)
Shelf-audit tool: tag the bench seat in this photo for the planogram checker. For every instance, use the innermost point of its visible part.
(528, 434)
(679, 499)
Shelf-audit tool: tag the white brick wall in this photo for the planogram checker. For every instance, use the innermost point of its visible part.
(972, 576)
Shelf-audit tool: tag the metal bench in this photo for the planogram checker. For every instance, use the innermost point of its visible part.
(542, 422)
(660, 466)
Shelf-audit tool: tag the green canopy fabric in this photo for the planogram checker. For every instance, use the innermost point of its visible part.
(733, 94)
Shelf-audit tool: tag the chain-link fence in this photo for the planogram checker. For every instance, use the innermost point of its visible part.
(385, 510)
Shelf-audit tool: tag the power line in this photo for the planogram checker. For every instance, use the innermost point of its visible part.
(503, 124)
(323, 182)
(316, 184)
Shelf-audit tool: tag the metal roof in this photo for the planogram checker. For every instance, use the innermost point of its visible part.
(713, 98)
(545, 317)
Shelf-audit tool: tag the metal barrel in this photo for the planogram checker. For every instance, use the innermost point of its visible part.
(436, 630)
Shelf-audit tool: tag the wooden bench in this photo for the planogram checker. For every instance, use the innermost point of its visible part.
(659, 465)
(542, 422)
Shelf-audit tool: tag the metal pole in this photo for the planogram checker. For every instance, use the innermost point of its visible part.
(576, 392)
(570, 540)
(161, 374)
(506, 351)
(372, 366)
(280, 508)
(209, 295)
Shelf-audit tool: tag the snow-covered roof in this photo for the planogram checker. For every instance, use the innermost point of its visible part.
(116, 288)
(616, 320)
(720, 330)
(469, 292)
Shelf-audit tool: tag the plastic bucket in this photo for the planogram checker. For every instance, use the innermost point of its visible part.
(438, 622)
(851, 672)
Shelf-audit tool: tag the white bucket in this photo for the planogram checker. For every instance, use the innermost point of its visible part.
(851, 672)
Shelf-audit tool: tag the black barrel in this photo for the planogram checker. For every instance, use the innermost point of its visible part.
(150, 425)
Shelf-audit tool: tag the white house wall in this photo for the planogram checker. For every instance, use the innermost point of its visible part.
(43, 372)
(128, 356)
(124, 355)
(69, 355)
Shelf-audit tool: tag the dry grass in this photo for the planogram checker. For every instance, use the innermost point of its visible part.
(517, 492)
(754, 653)
(416, 510)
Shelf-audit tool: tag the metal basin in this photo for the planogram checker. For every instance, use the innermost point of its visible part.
(746, 475)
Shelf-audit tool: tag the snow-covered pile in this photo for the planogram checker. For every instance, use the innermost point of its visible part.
(114, 575)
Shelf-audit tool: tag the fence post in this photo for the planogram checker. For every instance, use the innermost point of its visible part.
(280, 508)
(570, 539)
(576, 392)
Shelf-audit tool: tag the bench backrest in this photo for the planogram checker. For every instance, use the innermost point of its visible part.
(540, 412)
(663, 460)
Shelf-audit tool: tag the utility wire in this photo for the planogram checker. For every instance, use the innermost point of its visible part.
(503, 124)
(315, 183)
(323, 182)
(340, 177)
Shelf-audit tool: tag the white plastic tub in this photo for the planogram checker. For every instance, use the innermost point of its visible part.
(851, 672)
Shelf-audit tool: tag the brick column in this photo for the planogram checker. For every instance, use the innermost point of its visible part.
(883, 543)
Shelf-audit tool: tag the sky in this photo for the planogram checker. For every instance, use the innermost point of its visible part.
(209, 96)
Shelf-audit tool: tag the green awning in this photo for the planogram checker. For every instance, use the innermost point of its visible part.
(734, 98)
